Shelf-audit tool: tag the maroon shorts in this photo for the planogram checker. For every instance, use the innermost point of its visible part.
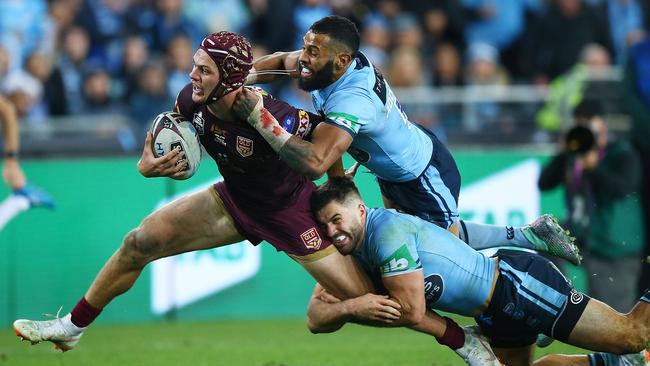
(292, 229)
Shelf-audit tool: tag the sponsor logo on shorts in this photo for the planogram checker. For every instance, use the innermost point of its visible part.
(359, 155)
(303, 123)
(576, 297)
(244, 146)
(510, 232)
(311, 239)
(434, 286)
(199, 122)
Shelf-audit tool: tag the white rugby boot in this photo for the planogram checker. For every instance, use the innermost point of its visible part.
(59, 331)
(477, 351)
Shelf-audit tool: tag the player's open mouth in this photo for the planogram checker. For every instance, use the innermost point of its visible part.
(305, 72)
(339, 239)
(196, 89)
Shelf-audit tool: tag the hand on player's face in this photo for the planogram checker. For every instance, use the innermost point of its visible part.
(245, 102)
(170, 165)
(13, 175)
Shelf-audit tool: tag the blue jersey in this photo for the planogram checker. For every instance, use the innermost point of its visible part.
(457, 278)
(384, 140)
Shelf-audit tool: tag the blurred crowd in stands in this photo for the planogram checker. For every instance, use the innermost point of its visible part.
(71, 57)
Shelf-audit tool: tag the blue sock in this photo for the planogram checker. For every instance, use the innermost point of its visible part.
(646, 297)
(482, 236)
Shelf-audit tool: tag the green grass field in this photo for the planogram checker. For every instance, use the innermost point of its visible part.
(238, 342)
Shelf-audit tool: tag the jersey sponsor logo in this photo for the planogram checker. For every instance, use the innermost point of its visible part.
(303, 123)
(576, 297)
(219, 134)
(288, 123)
(244, 146)
(345, 120)
(401, 260)
(434, 286)
(311, 239)
(199, 122)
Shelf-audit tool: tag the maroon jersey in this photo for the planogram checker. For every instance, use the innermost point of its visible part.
(255, 175)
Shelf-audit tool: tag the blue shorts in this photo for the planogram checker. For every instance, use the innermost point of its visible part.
(433, 196)
(531, 296)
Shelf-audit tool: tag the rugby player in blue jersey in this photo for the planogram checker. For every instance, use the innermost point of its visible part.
(415, 171)
(513, 295)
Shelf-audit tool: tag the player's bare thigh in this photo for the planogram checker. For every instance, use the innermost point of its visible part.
(193, 222)
(602, 328)
(340, 275)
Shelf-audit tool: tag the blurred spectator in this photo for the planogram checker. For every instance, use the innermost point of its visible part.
(105, 22)
(562, 32)
(179, 61)
(601, 180)
(447, 66)
(22, 27)
(405, 68)
(97, 93)
(625, 23)
(72, 65)
(483, 70)
(375, 40)
(444, 22)
(496, 22)
(25, 92)
(568, 90)
(5, 62)
(214, 16)
(304, 15)
(171, 21)
(135, 55)
(273, 29)
(40, 67)
(636, 98)
(407, 31)
(152, 95)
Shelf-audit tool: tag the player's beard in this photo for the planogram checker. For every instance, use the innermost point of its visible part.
(355, 232)
(319, 79)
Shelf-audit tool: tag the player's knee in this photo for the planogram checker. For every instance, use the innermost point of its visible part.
(138, 247)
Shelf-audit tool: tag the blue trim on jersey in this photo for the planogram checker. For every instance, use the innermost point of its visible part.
(436, 188)
(330, 122)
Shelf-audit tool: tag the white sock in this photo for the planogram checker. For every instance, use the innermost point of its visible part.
(12, 206)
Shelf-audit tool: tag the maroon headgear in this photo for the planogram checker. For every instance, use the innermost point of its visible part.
(234, 57)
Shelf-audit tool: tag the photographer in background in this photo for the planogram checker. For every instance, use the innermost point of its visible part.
(602, 181)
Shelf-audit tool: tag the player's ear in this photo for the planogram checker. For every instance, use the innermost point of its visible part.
(343, 60)
(362, 209)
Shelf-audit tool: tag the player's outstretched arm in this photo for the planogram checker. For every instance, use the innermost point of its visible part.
(270, 67)
(313, 158)
(168, 165)
(327, 313)
(12, 174)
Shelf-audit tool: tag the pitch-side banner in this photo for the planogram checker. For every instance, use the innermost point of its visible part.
(508, 197)
(180, 280)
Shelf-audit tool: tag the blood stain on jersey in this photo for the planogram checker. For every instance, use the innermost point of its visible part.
(311, 239)
(244, 146)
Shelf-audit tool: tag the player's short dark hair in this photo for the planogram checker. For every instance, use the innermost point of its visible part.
(340, 29)
(337, 189)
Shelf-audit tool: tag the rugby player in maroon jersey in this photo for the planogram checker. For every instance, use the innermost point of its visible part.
(260, 198)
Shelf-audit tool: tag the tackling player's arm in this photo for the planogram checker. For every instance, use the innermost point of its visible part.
(313, 159)
(279, 61)
(12, 174)
(403, 307)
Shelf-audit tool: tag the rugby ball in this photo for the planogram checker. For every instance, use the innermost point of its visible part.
(171, 130)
